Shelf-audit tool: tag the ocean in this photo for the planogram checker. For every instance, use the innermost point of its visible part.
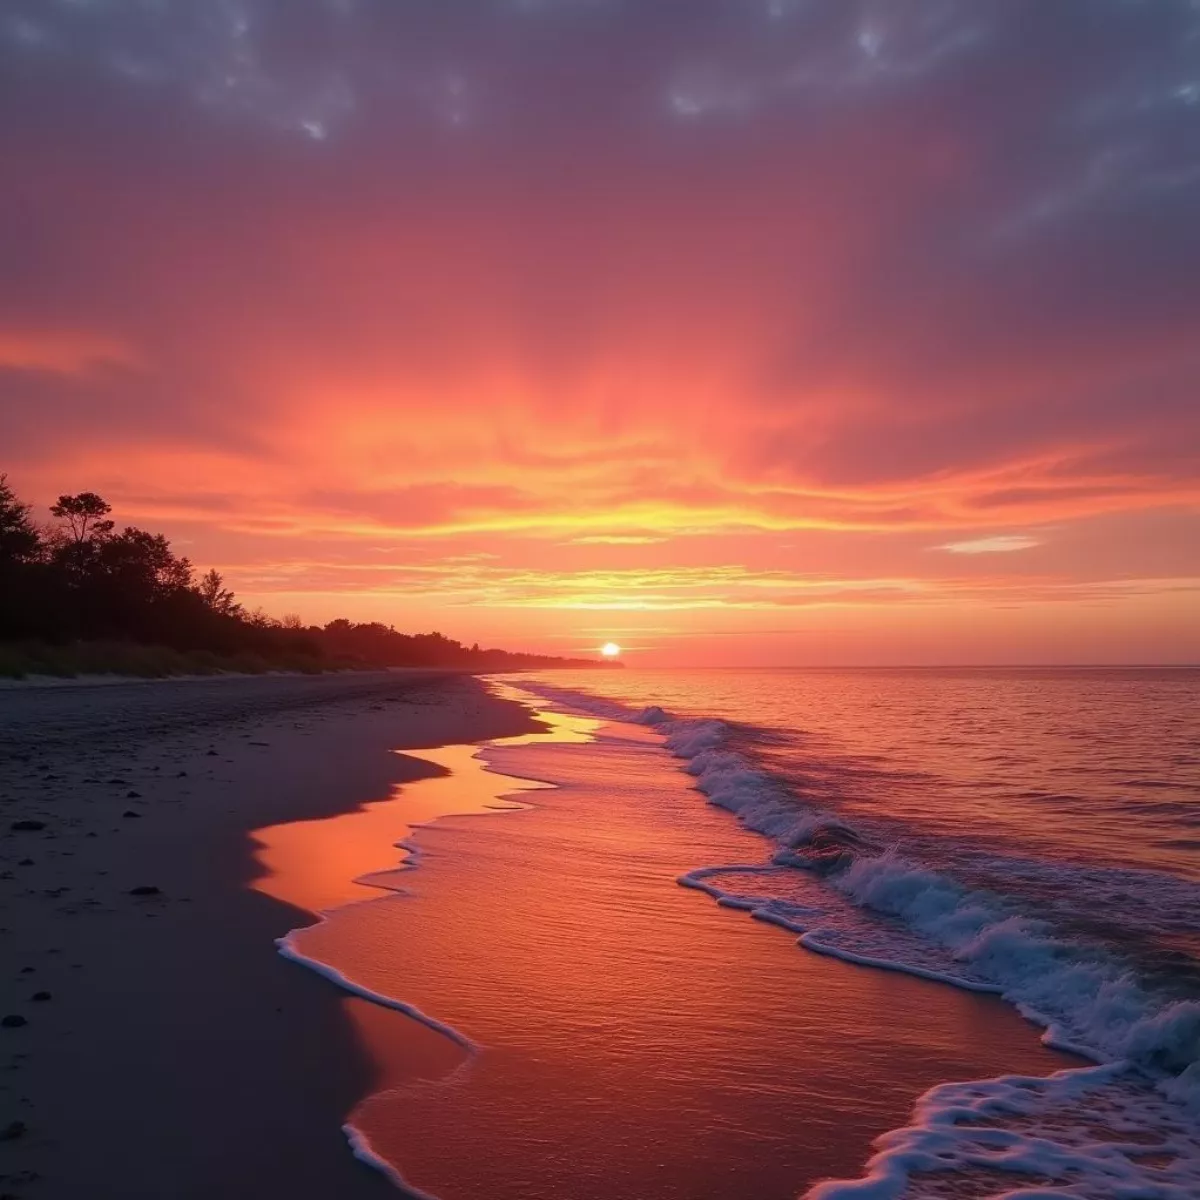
(972, 968)
(1070, 795)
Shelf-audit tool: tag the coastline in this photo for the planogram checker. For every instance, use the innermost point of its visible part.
(265, 812)
(178, 1054)
(598, 1096)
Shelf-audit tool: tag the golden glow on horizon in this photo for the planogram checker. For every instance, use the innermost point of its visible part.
(671, 390)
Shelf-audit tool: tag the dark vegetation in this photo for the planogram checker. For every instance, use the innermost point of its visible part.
(79, 597)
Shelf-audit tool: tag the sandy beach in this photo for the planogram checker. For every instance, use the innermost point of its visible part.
(157, 1044)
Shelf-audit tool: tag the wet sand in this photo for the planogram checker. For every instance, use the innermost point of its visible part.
(177, 1055)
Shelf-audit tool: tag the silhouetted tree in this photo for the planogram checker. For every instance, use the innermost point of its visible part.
(143, 563)
(82, 581)
(19, 541)
(216, 596)
(260, 619)
(84, 516)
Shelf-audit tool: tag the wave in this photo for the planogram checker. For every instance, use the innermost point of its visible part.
(361, 1148)
(845, 897)
(287, 948)
(997, 1130)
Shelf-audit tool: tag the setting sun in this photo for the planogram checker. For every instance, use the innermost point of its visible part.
(610, 650)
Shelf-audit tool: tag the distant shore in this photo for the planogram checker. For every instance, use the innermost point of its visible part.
(157, 1044)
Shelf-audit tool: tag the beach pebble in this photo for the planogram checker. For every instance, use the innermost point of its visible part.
(13, 1021)
(27, 826)
(145, 889)
(133, 795)
(130, 813)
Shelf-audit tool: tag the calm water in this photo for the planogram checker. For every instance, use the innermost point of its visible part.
(1085, 765)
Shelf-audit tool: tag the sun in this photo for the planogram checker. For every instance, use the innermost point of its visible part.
(610, 650)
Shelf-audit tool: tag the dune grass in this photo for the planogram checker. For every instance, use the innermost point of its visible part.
(20, 660)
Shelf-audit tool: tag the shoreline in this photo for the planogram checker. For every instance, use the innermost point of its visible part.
(441, 1117)
(178, 1054)
(419, 1045)
(34, 682)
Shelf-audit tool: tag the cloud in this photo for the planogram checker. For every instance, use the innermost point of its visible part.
(629, 539)
(997, 544)
(62, 352)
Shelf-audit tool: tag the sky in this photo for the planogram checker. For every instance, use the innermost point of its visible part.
(755, 332)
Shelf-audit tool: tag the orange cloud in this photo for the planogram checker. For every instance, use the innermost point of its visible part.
(62, 352)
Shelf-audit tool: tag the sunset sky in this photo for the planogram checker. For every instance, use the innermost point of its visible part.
(734, 331)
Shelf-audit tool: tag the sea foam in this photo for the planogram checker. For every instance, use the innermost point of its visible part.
(361, 1148)
(1086, 1130)
(286, 946)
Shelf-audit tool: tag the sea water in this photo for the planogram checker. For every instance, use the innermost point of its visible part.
(928, 854)
(1034, 833)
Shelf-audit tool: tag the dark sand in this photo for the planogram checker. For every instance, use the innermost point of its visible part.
(178, 1055)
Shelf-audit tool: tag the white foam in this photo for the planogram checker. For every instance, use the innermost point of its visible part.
(288, 949)
(1129, 1147)
(360, 1147)
(811, 941)
(795, 917)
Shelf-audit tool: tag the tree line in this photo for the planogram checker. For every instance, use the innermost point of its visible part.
(80, 582)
